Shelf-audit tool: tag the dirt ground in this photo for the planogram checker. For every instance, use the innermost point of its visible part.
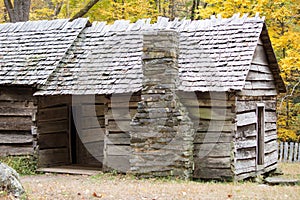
(107, 186)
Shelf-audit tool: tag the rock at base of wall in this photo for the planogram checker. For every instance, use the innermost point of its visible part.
(9, 181)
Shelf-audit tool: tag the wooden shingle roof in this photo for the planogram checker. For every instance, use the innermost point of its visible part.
(30, 51)
(215, 55)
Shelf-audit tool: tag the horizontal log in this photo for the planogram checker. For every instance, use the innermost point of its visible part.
(210, 173)
(271, 146)
(245, 144)
(205, 96)
(16, 94)
(258, 76)
(245, 153)
(93, 110)
(211, 113)
(214, 126)
(245, 166)
(120, 114)
(53, 157)
(16, 138)
(116, 163)
(118, 150)
(78, 100)
(258, 92)
(206, 103)
(216, 163)
(242, 106)
(92, 122)
(91, 135)
(16, 111)
(53, 140)
(53, 114)
(15, 123)
(118, 126)
(117, 140)
(213, 137)
(126, 104)
(244, 119)
(270, 126)
(212, 150)
(12, 150)
(94, 149)
(120, 98)
(51, 101)
(271, 158)
(246, 131)
(260, 68)
(270, 117)
(259, 85)
(53, 127)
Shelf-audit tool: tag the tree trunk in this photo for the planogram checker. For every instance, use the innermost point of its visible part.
(84, 10)
(19, 11)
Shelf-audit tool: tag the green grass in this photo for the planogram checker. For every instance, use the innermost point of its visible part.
(24, 165)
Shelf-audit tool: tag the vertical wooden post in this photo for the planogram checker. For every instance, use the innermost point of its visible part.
(286, 150)
(291, 151)
(296, 152)
(280, 151)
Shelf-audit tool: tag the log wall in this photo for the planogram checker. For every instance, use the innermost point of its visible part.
(259, 88)
(212, 114)
(17, 116)
(117, 150)
(53, 126)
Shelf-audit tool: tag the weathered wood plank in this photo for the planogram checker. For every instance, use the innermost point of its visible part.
(92, 122)
(271, 158)
(212, 150)
(242, 106)
(118, 150)
(259, 85)
(117, 140)
(281, 151)
(119, 163)
(210, 173)
(270, 117)
(271, 146)
(205, 95)
(212, 137)
(291, 151)
(258, 92)
(245, 144)
(245, 153)
(16, 138)
(216, 163)
(245, 166)
(246, 131)
(286, 150)
(53, 114)
(51, 101)
(13, 150)
(211, 113)
(16, 94)
(15, 111)
(118, 126)
(214, 126)
(260, 68)
(117, 105)
(53, 140)
(246, 118)
(92, 135)
(260, 56)
(93, 110)
(53, 126)
(206, 103)
(120, 114)
(52, 157)
(15, 123)
(259, 77)
(295, 152)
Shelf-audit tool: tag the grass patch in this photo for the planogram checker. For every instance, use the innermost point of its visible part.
(24, 165)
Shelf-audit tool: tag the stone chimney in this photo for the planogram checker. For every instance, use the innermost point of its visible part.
(162, 133)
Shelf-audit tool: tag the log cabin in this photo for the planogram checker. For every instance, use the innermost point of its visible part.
(190, 99)
(29, 52)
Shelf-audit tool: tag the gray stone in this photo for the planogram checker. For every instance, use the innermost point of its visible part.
(9, 181)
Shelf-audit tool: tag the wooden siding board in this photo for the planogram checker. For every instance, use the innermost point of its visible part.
(15, 138)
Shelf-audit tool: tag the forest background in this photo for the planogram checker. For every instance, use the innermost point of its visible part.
(282, 19)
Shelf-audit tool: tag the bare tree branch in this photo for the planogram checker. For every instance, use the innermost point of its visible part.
(289, 95)
(84, 10)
